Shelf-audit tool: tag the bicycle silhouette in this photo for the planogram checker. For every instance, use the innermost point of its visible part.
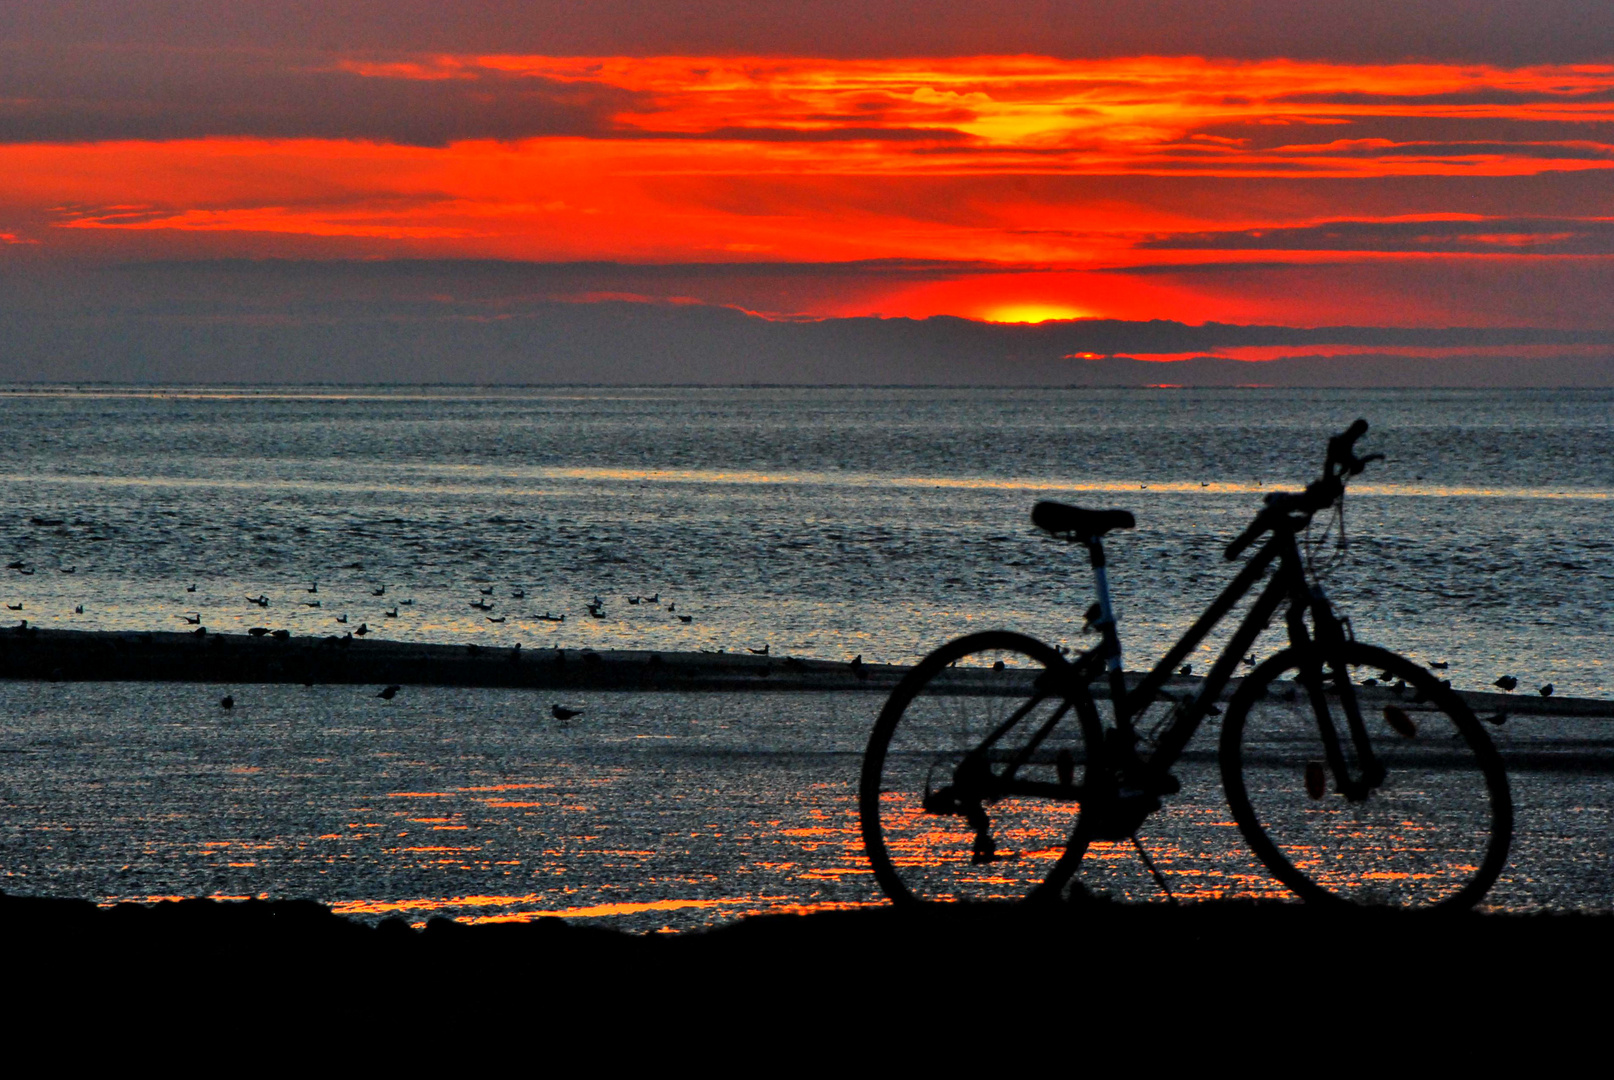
(1353, 773)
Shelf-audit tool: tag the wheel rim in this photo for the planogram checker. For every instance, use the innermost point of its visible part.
(962, 698)
(1432, 834)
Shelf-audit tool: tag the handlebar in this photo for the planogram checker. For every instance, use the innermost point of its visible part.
(1283, 506)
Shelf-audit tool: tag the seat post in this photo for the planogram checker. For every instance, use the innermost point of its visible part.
(1106, 621)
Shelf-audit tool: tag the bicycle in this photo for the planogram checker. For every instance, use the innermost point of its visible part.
(1353, 773)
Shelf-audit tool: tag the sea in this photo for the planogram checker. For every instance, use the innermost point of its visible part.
(813, 522)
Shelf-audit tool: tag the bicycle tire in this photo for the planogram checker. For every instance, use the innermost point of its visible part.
(938, 713)
(1434, 834)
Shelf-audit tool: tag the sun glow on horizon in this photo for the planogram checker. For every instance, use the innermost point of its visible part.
(1033, 313)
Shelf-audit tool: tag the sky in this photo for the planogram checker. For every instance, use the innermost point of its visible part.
(1419, 166)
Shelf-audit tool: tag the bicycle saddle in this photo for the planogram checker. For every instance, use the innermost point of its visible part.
(1079, 524)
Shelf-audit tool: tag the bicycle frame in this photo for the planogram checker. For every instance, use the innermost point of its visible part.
(1287, 584)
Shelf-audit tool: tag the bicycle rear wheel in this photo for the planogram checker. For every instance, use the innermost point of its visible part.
(1433, 834)
(926, 837)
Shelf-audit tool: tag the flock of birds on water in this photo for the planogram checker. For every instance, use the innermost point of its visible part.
(484, 603)
(595, 608)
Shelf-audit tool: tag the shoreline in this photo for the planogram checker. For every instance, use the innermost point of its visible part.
(48, 655)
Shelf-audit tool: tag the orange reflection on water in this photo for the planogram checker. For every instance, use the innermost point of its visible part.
(589, 911)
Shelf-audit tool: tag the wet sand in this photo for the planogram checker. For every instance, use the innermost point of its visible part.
(76, 655)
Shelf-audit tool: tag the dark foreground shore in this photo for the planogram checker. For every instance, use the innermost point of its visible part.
(1197, 953)
(226, 659)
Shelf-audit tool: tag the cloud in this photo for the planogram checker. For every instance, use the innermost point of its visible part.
(82, 94)
(1496, 31)
(1467, 234)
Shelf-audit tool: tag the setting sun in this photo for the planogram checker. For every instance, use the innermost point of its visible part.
(1032, 313)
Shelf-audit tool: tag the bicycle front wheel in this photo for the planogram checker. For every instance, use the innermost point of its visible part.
(1433, 833)
(967, 793)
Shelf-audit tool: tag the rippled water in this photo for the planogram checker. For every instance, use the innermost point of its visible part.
(819, 522)
(824, 523)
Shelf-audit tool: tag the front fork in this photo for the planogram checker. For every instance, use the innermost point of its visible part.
(1325, 648)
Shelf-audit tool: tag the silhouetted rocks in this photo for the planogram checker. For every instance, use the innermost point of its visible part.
(1094, 949)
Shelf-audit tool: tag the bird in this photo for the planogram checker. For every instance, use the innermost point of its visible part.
(760, 652)
(1249, 661)
(68, 569)
(313, 586)
(190, 588)
(1400, 721)
(487, 591)
(18, 565)
(363, 629)
(685, 619)
(561, 712)
(518, 594)
(389, 693)
(496, 620)
(379, 591)
(672, 607)
(79, 610)
(257, 631)
(311, 603)
(1506, 682)
(656, 599)
(1439, 665)
(341, 618)
(408, 602)
(1545, 691)
(13, 607)
(393, 614)
(280, 635)
(226, 702)
(634, 600)
(598, 614)
(197, 621)
(547, 617)
(1186, 669)
(481, 605)
(261, 600)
